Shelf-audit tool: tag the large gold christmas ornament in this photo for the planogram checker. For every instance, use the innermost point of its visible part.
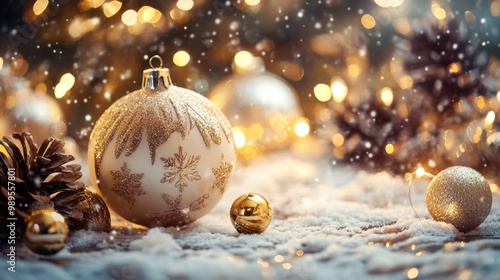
(460, 196)
(251, 213)
(162, 155)
(37, 113)
(262, 108)
(46, 232)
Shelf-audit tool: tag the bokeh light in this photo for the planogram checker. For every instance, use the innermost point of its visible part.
(368, 21)
(40, 6)
(339, 89)
(387, 96)
(322, 92)
(185, 5)
(129, 17)
(111, 8)
(243, 59)
(181, 58)
(301, 127)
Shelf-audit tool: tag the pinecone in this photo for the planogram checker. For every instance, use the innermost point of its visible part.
(445, 61)
(42, 180)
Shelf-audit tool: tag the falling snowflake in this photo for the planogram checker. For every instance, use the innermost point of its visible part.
(179, 170)
(222, 175)
(127, 186)
(179, 213)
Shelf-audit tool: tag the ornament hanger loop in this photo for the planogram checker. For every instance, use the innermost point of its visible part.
(157, 76)
(414, 174)
(158, 58)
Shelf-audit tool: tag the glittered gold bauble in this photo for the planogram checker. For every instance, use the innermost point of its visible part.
(162, 155)
(262, 108)
(251, 213)
(37, 113)
(46, 232)
(460, 196)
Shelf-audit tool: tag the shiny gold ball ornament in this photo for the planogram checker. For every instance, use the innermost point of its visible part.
(162, 155)
(27, 111)
(46, 232)
(460, 196)
(262, 107)
(251, 213)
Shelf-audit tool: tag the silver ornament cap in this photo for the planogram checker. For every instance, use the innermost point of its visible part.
(156, 77)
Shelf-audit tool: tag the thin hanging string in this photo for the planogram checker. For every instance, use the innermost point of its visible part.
(414, 173)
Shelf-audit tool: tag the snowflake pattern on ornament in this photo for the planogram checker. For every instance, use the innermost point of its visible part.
(126, 185)
(222, 175)
(179, 170)
(179, 212)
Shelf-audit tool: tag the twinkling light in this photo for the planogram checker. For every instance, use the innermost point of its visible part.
(405, 82)
(412, 273)
(438, 12)
(455, 67)
(239, 137)
(181, 58)
(40, 6)
(353, 70)
(480, 102)
(68, 79)
(146, 14)
(1, 62)
(65, 84)
(338, 140)
(129, 17)
(490, 118)
(387, 96)
(420, 172)
(287, 266)
(185, 5)
(368, 21)
(389, 3)
(79, 27)
(389, 149)
(339, 89)
(111, 8)
(60, 90)
(322, 92)
(243, 59)
(301, 127)
(252, 2)
(279, 258)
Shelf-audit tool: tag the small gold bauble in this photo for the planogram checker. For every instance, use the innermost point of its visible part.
(46, 232)
(251, 213)
(460, 196)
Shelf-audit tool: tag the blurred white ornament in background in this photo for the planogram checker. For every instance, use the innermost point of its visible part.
(28, 111)
(262, 107)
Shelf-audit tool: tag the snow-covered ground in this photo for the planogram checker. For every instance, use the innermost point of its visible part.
(329, 222)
